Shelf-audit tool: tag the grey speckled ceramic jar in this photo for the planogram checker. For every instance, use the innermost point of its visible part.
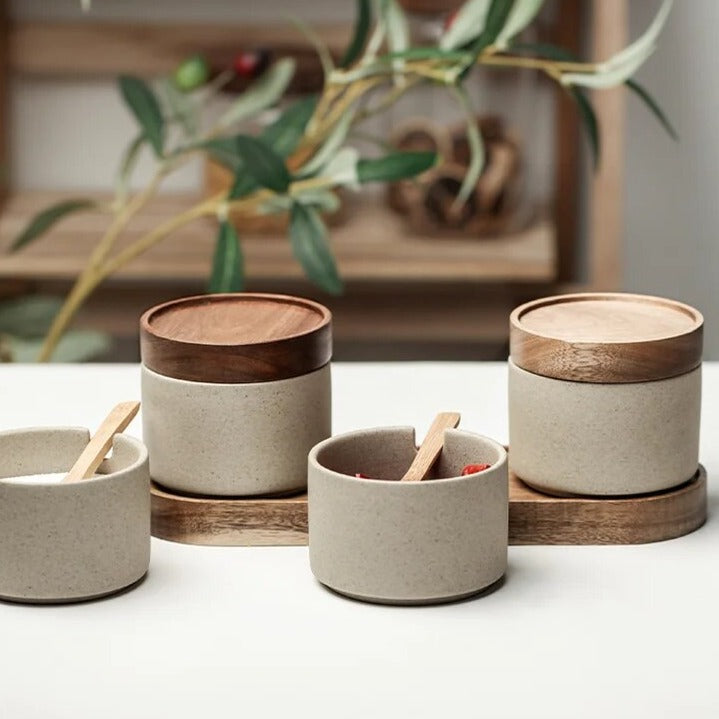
(604, 394)
(603, 439)
(71, 542)
(236, 390)
(234, 439)
(391, 542)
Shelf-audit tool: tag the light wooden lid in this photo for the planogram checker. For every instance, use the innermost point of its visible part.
(235, 338)
(608, 337)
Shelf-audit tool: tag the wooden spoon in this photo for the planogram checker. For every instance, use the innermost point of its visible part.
(431, 447)
(100, 443)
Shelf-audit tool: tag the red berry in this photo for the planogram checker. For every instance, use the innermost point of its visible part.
(250, 63)
(359, 475)
(474, 468)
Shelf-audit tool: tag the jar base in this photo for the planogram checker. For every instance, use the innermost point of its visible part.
(428, 601)
(76, 600)
(576, 495)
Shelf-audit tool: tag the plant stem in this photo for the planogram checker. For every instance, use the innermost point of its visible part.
(551, 67)
(98, 270)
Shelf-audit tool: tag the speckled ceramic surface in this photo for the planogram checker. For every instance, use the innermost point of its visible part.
(406, 542)
(234, 439)
(603, 439)
(69, 542)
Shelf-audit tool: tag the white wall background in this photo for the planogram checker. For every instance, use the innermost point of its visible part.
(672, 189)
(672, 201)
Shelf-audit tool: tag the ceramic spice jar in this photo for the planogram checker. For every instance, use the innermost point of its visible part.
(392, 542)
(604, 393)
(76, 541)
(235, 392)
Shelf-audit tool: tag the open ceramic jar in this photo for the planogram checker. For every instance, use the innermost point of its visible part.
(75, 541)
(392, 542)
(604, 393)
(236, 390)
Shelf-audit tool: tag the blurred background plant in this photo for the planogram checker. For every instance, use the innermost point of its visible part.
(295, 165)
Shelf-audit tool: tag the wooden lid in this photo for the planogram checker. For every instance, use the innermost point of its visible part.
(608, 337)
(235, 338)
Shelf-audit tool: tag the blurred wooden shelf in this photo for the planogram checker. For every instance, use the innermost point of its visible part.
(372, 245)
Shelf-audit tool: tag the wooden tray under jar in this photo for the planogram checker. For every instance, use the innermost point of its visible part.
(534, 518)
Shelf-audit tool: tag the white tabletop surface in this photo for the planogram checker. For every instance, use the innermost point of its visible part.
(574, 632)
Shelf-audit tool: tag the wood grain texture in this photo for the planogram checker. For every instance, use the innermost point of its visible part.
(534, 518)
(106, 49)
(100, 443)
(609, 23)
(606, 337)
(431, 447)
(232, 338)
(375, 245)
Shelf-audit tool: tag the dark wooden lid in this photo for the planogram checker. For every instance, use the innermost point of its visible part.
(236, 338)
(607, 337)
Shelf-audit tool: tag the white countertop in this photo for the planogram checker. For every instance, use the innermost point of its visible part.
(247, 632)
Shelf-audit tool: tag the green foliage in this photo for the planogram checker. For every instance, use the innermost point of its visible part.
(228, 272)
(497, 16)
(262, 163)
(263, 93)
(359, 36)
(395, 166)
(284, 134)
(144, 106)
(308, 237)
(653, 107)
(75, 346)
(589, 120)
(45, 219)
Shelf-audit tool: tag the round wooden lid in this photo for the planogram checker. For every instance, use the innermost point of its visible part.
(235, 338)
(608, 337)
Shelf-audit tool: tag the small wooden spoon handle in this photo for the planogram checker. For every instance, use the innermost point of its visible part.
(91, 457)
(431, 447)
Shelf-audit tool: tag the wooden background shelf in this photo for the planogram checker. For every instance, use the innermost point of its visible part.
(373, 244)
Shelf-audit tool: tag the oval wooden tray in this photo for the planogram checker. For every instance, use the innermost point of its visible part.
(534, 518)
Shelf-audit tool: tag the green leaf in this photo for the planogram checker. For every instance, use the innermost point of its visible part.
(262, 163)
(653, 106)
(242, 185)
(263, 93)
(181, 107)
(342, 168)
(74, 346)
(589, 120)
(284, 134)
(476, 148)
(44, 220)
(468, 23)
(523, 12)
(308, 237)
(224, 150)
(29, 316)
(317, 43)
(323, 200)
(129, 160)
(228, 273)
(396, 25)
(497, 16)
(144, 106)
(331, 145)
(396, 166)
(359, 36)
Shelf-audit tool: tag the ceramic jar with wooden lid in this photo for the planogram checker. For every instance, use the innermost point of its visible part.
(604, 393)
(235, 392)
